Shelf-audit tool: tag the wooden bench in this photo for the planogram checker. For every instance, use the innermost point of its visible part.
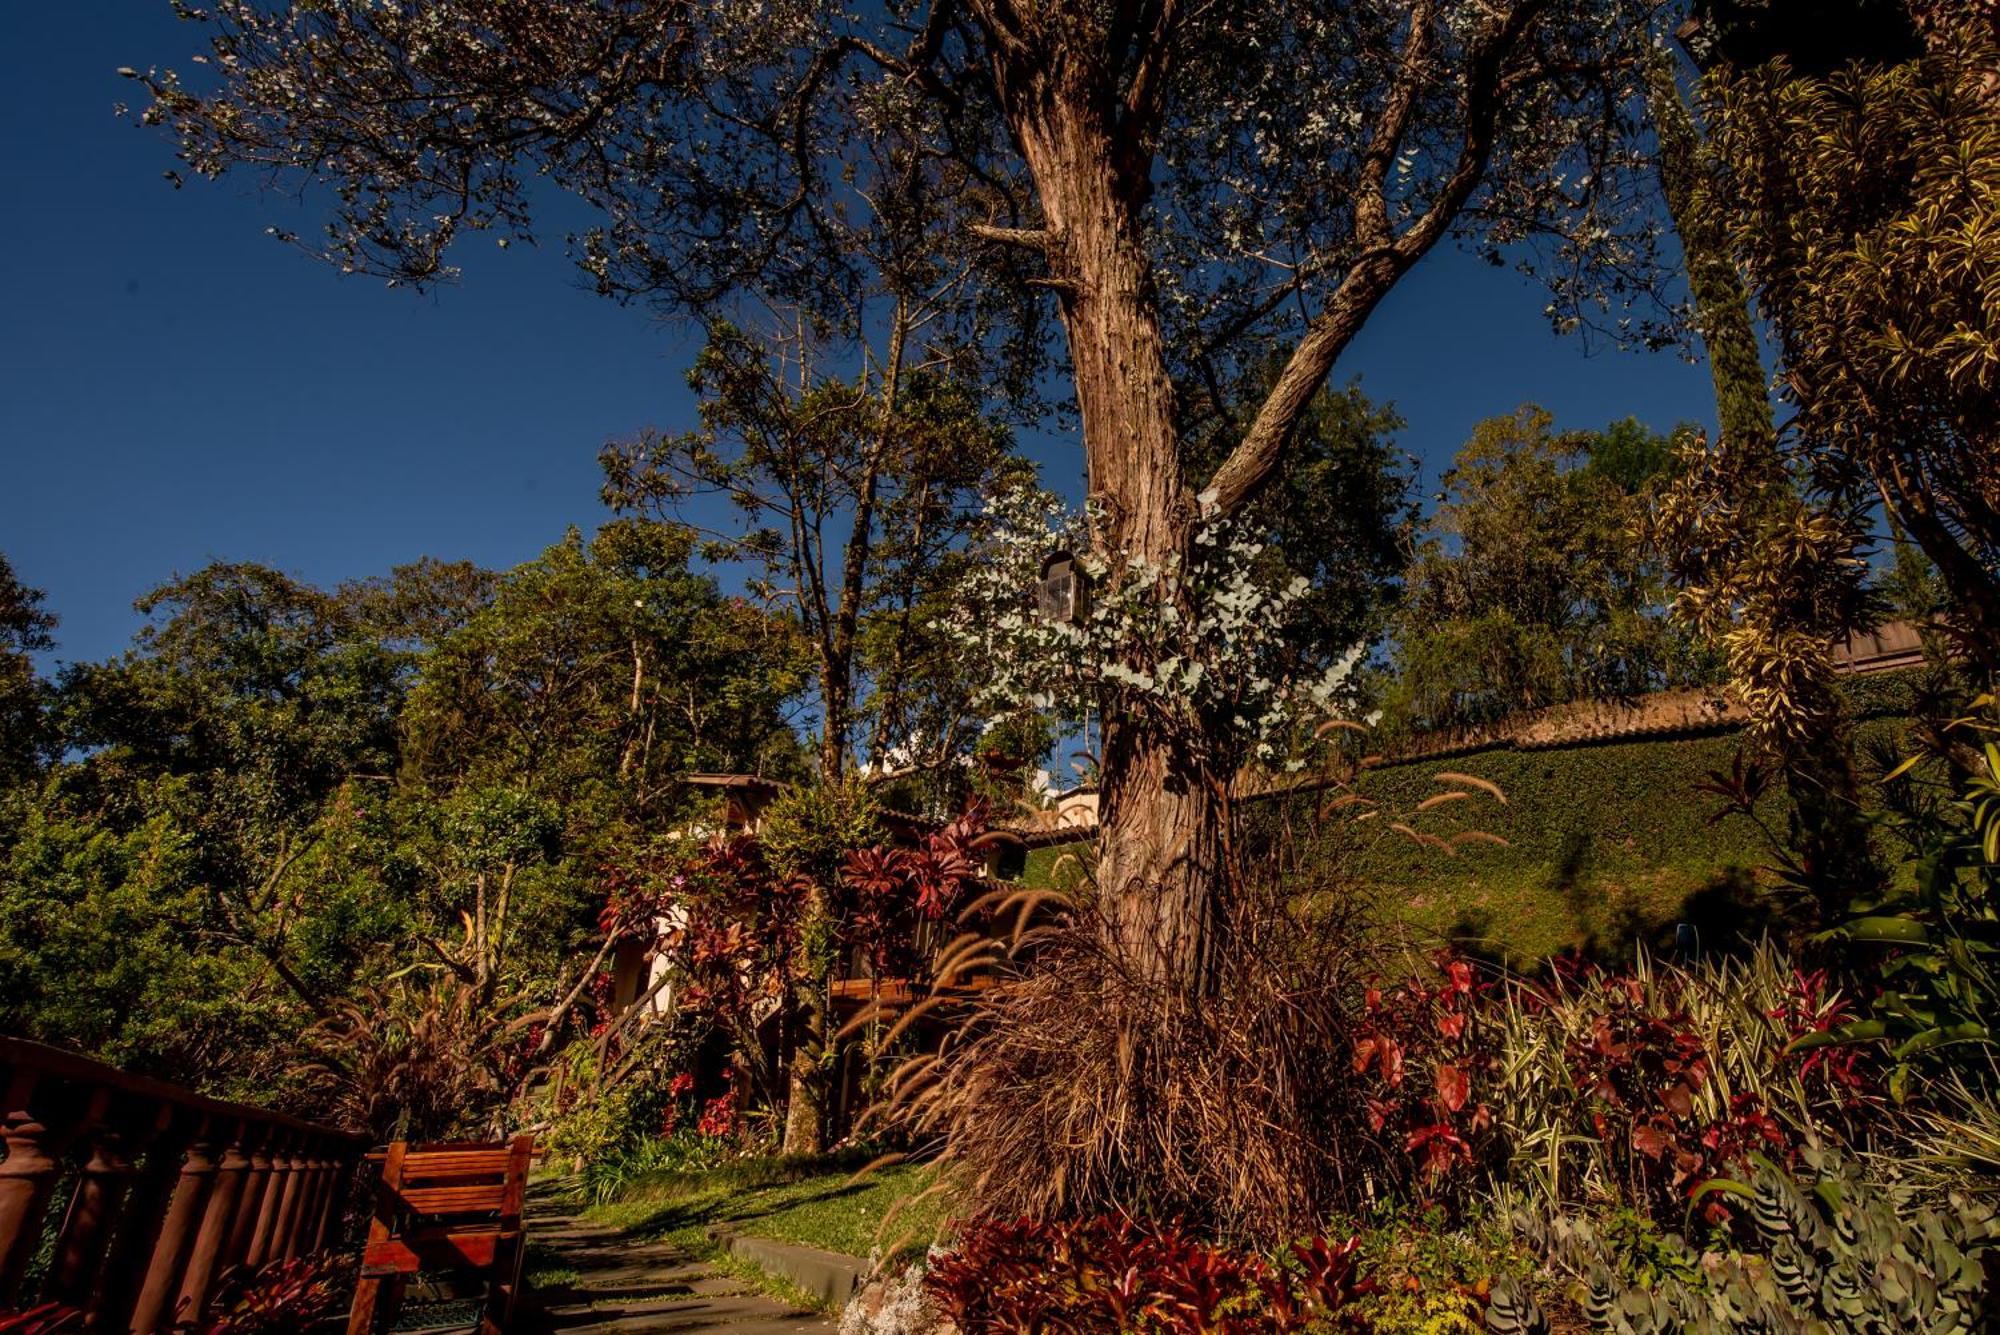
(453, 1207)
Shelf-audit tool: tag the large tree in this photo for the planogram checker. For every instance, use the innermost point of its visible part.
(1530, 587)
(1196, 186)
(1855, 155)
(846, 491)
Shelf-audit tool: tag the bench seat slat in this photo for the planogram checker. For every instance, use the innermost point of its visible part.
(433, 1251)
(449, 1163)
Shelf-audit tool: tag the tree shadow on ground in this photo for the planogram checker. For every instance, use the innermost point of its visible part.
(1727, 915)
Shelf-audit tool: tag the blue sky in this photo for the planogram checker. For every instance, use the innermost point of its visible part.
(176, 387)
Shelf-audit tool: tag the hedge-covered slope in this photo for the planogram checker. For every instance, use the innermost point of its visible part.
(1607, 842)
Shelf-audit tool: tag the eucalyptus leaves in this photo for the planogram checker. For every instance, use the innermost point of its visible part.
(1192, 645)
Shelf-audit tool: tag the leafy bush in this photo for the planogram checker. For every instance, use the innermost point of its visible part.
(1835, 1252)
(1640, 1085)
(1424, 1054)
(1111, 1275)
(686, 1151)
(1937, 947)
(1432, 1276)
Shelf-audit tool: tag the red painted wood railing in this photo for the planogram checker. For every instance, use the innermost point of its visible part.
(167, 1189)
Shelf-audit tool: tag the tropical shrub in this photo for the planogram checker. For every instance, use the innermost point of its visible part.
(1937, 946)
(1638, 1086)
(1423, 1052)
(1433, 1274)
(1112, 1275)
(1830, 1251)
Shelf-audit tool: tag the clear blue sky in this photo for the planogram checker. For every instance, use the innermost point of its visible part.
(176, 387)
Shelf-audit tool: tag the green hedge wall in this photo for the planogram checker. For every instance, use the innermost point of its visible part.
(1607, 843)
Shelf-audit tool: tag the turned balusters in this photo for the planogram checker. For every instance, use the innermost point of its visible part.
(165, 1190)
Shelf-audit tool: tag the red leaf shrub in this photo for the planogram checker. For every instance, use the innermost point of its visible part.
(1647, 1086)
(1850, 1075)
(1112, 1275)
(47, 1319)
(1425, 1044)
(719, 1116)
(281, 1298)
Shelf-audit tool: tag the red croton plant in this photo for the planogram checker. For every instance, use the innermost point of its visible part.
(1642, 1065)
(1636, 1062)
(1420, 1050)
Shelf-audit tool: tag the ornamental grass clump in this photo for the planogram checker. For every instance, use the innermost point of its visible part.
(1075, 1086)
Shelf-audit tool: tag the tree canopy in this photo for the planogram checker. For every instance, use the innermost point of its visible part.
(1533, 585)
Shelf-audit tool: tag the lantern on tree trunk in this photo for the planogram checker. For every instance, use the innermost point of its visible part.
(1064, 593)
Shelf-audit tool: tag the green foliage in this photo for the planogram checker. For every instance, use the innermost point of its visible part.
(1829, 1251)
(852, 497)
(341, 848)
(100, 932)
(1861, 197)
(595, 675)
(1937, 946)
(810, 829)
(821, 1201)
(25, 629)
(1605, 843)
(1531, 587)
(1432, 1278)
(1338, 511)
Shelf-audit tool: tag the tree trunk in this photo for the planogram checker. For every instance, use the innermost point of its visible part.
(805, 1106)
(1161, 816)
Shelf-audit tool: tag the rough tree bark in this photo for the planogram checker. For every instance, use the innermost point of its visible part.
(1084, 100)
(1161, 813)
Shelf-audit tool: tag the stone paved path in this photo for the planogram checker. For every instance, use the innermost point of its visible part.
(632, 1284)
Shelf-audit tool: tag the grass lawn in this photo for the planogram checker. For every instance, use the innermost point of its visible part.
(813, 1202)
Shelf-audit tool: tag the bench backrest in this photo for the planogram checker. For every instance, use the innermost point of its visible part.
(427, 1185)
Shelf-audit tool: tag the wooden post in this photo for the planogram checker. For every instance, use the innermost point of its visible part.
(155, 1153)
(27, 1177)
(205, 1259)
(368, 1289)
(103, 1180)
(291, 1198)
(333, 1206)
(249, 1206)
(319, 1184)
(162, 1286)
(270, 1200)
(298, 1232)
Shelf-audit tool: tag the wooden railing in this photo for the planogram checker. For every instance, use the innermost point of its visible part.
(164, 1189)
